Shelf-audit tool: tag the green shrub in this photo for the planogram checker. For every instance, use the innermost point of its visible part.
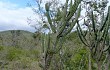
(78, 61)
(1, 48)
(35, 53)
(14, 54)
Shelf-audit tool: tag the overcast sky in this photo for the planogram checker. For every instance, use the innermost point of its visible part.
(14, 14)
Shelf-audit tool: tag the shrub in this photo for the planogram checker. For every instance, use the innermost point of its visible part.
(14, 54)
(1, 48)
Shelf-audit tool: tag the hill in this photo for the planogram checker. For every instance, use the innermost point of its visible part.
(28, 56)
(18, 38)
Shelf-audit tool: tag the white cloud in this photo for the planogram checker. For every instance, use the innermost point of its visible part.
(13, 17)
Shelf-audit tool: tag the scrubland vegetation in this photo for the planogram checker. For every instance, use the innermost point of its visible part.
(27, 58)
(61, 48)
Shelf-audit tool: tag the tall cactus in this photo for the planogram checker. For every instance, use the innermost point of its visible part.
(64, 25)
(96, 38)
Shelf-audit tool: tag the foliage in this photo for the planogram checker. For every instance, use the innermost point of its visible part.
(78, 59)
(1, 48)
(96, 36)
(14, 54)
(24, 39)
(13, 58)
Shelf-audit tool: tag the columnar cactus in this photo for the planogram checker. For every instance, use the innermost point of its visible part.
(96, 38)
(64, 25)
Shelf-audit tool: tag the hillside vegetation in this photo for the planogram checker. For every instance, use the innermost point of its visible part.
(20, 38)
(61, 48)
(26, 54)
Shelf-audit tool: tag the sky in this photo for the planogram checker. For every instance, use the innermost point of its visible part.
(14, 14)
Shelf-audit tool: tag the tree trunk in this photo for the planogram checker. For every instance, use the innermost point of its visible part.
(99, 65)
(89, 61)
(107, 67)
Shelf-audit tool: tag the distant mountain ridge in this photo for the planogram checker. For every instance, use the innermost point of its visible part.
(18, 38)
(28, 40)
